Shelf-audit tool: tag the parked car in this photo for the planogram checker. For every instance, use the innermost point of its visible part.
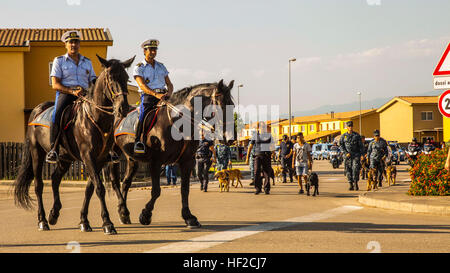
(395, 156)
(326, 150)
(316, 151)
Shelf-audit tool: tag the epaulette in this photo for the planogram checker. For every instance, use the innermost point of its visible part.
(139, 64)
(87, 58)
(59, 57)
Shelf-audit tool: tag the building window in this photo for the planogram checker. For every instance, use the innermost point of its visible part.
(303, 128)
(427, 115)
(311, 128)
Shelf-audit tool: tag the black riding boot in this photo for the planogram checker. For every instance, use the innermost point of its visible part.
(356, 186)
(139, 147)
(52, 155)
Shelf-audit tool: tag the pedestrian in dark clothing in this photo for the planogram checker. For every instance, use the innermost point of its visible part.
(286, 158)
(203, 156)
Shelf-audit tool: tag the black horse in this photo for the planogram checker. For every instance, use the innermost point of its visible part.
(89, 139)
(164, 149)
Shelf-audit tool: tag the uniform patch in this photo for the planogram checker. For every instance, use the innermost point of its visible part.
(87, 71)
(139, 64)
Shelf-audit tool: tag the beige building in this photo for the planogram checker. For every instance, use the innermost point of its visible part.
(403, 118)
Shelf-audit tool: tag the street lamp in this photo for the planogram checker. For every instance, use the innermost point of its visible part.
(237, 119)
(290, 115)
(360, 128)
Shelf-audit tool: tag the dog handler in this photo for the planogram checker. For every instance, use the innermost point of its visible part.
(353, 149)
(303, 160)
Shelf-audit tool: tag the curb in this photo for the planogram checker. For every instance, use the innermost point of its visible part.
(403, 206)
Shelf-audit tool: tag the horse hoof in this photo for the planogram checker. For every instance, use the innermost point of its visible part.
(193, 223)
(125, 220)
(53, 218)
(43, 226)
(85, 227)
(145, 219)
(109, 230)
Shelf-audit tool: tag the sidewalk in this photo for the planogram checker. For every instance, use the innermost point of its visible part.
(396, 198)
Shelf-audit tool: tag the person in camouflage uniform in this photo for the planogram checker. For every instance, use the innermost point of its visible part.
(223, 154)
(377, 152)
(353, 150)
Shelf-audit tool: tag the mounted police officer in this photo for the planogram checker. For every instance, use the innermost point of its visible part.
(353, 149)
(71, 74)
(286, 158)
(203, 156)
(223, 154)
(377, 152)
(152, 77)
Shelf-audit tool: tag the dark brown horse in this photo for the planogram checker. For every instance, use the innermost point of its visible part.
(88, 139)
(163, 148)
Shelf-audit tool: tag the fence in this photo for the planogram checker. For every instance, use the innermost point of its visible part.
(11, 158)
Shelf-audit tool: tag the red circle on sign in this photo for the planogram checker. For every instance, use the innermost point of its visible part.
(441, 100)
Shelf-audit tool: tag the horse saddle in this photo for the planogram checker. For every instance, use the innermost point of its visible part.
(45, 117)
(128, 125)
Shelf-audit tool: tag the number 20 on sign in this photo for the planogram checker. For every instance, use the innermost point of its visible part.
(444, 104)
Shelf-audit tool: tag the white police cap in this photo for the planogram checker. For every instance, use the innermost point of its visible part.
(150, 43)
(71, 35)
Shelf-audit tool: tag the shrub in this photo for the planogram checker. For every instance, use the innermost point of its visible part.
(428, 176)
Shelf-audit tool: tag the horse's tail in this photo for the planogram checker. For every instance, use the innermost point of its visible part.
(24, 179)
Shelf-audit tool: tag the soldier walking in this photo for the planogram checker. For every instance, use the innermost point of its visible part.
(223, 154)
(353, 149)
(203, 155)
(376, 153)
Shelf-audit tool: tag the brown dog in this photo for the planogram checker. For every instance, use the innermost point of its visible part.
(278, 173)
(372, 179)
(391, 174)
(364, 167)
(224, 180)
(234, 174)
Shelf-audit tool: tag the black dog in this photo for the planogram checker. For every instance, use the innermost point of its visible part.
(313, 180)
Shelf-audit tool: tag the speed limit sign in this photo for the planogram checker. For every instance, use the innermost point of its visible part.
(444, 104)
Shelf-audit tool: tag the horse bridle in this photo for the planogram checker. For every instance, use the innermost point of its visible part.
(112, 97)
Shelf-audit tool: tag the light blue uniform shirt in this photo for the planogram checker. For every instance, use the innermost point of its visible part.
(72, 75)
(154, 78)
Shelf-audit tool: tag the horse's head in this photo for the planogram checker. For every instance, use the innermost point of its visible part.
(217, 106)
(115, 80)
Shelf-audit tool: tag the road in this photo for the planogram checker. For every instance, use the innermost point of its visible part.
(236, 221)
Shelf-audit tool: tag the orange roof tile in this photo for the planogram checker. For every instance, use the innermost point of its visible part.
(19, 36)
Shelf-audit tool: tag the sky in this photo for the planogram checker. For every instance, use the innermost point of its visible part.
(381, 48)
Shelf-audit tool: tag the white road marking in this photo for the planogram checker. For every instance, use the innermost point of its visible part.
(207, 241)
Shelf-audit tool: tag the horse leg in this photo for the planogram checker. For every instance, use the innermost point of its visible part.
(124, 213)
(38, 156)
(57, 175)
(93, 170)
(132, 167)
(146, 215)
(84, 223)
(190, 220)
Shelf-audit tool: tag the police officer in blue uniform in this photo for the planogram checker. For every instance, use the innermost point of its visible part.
(152, 77)
(353, 149)
(71, 74)
(203, 156)
(377, 152)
